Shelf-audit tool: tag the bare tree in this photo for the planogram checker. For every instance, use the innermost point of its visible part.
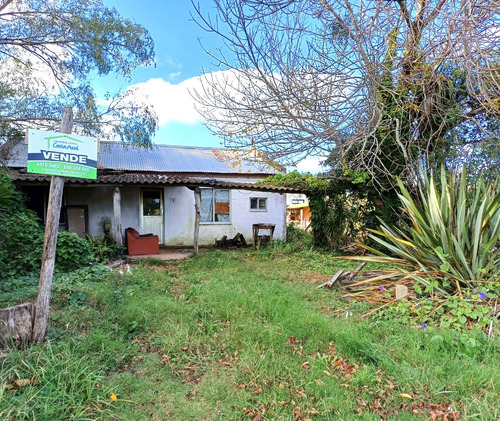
(379, 86)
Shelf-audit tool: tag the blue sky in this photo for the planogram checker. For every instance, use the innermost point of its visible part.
(180, 60)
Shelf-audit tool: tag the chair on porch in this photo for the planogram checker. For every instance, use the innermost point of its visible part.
(141, 244)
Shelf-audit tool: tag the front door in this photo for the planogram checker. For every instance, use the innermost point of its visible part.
(152, 212)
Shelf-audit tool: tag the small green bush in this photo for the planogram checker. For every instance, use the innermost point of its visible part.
(104, 249)
(298, 238)
(21, 235)
(72, 252)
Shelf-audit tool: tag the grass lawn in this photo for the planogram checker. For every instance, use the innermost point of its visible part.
(241, 335)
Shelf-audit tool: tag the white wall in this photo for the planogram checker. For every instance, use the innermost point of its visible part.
(179, 213)
(179, 217)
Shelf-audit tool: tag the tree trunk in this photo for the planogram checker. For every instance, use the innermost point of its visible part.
(16, 325)
(42, 302)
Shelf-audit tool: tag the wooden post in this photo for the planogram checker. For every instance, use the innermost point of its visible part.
(16, 326)
(197, 209)
(42, 302)
(117, 210)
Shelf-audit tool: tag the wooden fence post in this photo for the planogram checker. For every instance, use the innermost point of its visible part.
(42, 302)
(117, 212)
(197, 209)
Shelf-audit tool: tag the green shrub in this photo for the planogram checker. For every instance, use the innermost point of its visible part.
(452, 236)
(72, 252)
(340, 207)
(300, 239)
(21, 235)
(104, 249)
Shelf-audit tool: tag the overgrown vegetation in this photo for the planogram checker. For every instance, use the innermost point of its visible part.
(343, 205)
(452, 236)
(21, 245)
(243, 335)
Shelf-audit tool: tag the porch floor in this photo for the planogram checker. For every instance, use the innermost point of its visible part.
(165, 254)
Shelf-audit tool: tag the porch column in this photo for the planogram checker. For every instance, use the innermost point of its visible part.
(197, 210)
(117, 211)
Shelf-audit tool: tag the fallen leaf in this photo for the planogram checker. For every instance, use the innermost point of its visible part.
(17, 384)
(405, 395)
(22, 382)
(257, 390)
(113, 397)
(327, 372)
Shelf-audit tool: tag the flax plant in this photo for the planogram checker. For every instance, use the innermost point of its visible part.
(450, 238)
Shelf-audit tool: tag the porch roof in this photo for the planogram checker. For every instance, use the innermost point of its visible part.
(154, 179)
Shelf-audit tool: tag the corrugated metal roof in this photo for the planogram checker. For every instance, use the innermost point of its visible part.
(145, 179)
(120, 156)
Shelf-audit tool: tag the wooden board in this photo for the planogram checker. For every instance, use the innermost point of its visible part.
(222, 208)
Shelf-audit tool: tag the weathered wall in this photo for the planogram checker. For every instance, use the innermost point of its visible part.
(99, 200)
(179, 217)
(179, 213)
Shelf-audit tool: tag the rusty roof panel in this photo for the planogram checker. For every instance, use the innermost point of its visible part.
(120, 156)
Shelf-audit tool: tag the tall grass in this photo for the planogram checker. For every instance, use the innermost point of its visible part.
(244, 335)
(53, 382)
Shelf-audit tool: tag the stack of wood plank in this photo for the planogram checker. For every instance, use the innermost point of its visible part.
(237, 241)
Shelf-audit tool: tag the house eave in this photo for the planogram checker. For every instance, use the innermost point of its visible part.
(20, 175)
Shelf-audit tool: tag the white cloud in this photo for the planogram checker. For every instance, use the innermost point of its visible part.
(173, 76)
(172, 102)
(311, 165)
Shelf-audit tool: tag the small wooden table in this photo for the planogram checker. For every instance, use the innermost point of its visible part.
(257, 227)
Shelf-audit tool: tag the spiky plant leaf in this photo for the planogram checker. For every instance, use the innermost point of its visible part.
(451, 235)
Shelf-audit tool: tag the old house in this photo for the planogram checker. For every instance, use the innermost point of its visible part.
(298, 212)
(151, 190)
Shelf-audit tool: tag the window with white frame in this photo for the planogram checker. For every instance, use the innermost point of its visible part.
(258, 204)
(215, 205)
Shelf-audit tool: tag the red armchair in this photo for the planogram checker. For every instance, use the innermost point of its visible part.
(141, 244)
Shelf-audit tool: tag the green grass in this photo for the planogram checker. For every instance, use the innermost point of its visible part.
(242, 335)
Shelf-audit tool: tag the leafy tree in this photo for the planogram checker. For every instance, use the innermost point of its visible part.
(49, 53)
(381, 87)
(340, 208)
(5, 195)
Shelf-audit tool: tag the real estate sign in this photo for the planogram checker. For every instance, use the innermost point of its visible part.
(65, 155)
